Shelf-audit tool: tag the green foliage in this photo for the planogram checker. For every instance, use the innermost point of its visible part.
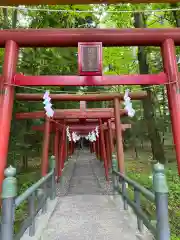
(26, 144)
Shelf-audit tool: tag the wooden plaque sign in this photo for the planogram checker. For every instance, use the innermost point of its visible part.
(90, 59)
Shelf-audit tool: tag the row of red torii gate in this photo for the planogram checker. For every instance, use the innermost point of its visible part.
(83, 120)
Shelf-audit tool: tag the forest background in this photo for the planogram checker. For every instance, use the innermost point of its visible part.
(150, 138)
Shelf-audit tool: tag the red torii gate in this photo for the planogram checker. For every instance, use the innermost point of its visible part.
(105, 144)
(13, 39)
(83, 113)
(97, 113)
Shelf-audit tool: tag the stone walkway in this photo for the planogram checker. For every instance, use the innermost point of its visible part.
(84, 210)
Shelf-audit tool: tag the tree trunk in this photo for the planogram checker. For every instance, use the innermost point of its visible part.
(25, 162)
(176, 14)
(154, 136)
(5, 15)
(14, 18)
(135, 150)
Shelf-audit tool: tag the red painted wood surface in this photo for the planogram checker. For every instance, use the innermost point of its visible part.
(103, 148)
(45, 148)
(108, 154)
(171, 68)
(80, 128)
(73, 114)
(119, 141)
(71, 37)
(72, 128)
(107, 80)
(56, 148)
(6, 103)
(75, 97)
(87, 122)
(82, 121)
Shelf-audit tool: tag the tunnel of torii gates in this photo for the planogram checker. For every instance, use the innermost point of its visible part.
(89, 43)
(83, 121)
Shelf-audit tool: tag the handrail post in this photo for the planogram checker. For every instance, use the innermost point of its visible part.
(32, 214)
(9, 192)
(124, 193)
(161, 201)
(41, 195)
(53, 180)
(137, 200)
(44, 195)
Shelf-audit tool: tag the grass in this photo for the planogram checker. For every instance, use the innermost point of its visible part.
(141, 169)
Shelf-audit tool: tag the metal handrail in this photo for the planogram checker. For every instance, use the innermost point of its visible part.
(10, 202)
(147, 193)
(159, 197)
(32, 189)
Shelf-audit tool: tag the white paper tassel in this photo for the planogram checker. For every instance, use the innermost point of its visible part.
(128, 104)
(47, 104)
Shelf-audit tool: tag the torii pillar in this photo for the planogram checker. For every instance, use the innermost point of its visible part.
(56, 148)
(6, 101)
(173, 91)
(119, 142)
(103, 148)
(45, 150)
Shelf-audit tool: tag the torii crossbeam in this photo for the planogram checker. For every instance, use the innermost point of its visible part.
(74, 114)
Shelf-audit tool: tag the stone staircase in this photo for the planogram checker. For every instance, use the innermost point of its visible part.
(86, 208)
